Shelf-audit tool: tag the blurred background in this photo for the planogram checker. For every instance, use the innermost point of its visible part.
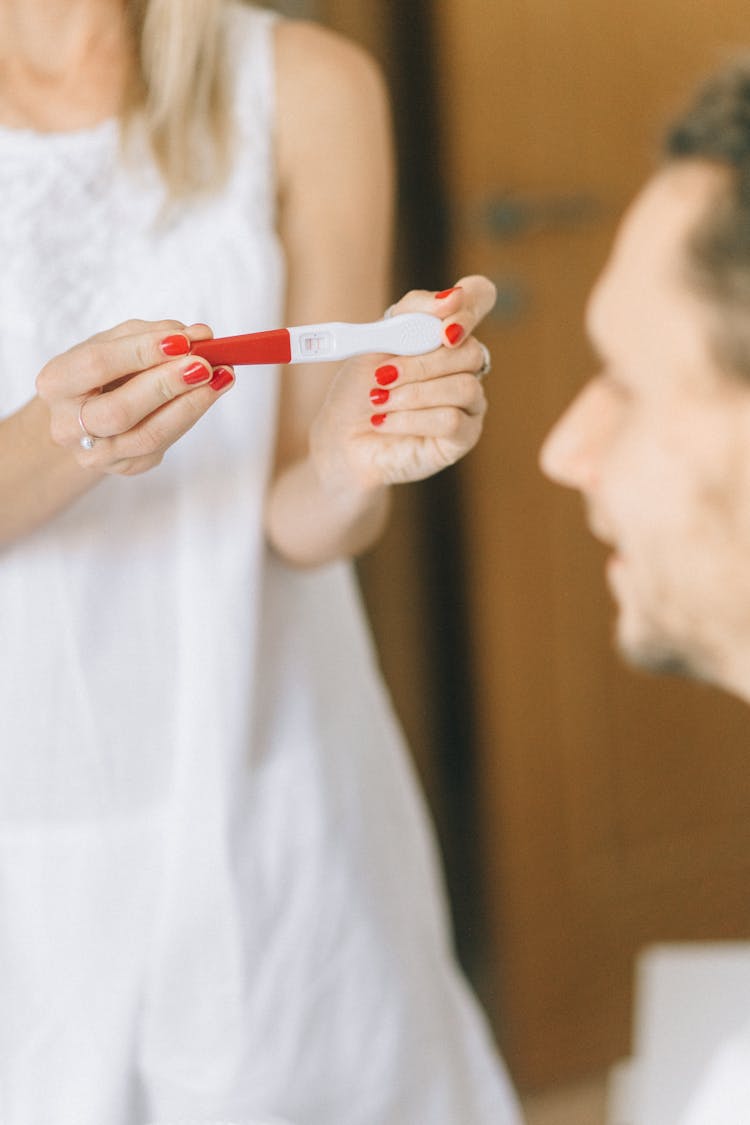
(584, 811)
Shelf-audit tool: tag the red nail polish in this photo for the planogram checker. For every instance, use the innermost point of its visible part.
(454, 332)
(447, 292)
(379, 396)
(195, 373)
(175, 345)
(378, 419)
(386, 374)
(223, 376)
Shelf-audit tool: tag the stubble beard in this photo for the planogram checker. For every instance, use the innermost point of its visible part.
(662, 657)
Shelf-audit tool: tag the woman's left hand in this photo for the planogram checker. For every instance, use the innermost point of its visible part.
(392, 419)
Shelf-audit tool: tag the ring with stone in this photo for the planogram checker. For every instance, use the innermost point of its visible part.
(87, 440)
(487, 364)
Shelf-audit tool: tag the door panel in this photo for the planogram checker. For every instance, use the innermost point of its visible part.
(614, 809)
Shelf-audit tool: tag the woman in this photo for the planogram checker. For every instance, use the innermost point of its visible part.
(219, 898)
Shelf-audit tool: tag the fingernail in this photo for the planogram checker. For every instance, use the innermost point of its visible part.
(223, 376)
(379, 396)
(454, 332)
(378, 419)
(178, 344)
(447, 292)
(386, 374)
(195, 373)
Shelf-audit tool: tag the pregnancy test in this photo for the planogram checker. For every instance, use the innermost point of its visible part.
(405, 334)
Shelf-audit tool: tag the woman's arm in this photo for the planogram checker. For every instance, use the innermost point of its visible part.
(335, 169)
(345, 435)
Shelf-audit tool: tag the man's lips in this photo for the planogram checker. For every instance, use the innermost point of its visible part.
(604, 535)
(600, 531)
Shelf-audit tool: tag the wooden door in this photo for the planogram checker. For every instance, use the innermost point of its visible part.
(614, 810)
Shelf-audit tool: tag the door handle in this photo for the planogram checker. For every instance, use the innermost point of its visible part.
(505, 217)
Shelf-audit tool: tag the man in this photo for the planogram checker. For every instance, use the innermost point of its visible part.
(658, 442)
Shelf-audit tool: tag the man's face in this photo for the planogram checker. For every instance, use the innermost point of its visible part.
(658, 443)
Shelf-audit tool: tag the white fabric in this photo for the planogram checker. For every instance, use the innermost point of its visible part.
(218, 892)
(691, 1061)
(723, 1093)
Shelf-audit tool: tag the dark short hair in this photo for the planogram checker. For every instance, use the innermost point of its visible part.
(716, 128)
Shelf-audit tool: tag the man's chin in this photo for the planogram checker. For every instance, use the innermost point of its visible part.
(659, 657)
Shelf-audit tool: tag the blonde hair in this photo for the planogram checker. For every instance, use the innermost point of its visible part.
(178, 91)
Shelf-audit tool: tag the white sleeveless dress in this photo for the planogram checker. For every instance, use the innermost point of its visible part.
(218, 891)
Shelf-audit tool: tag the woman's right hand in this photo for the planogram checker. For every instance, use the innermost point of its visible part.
(136, 390)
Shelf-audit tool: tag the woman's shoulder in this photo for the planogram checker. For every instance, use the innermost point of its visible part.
(311, 51)
(327, 86)
(304, 50)
(322, 69)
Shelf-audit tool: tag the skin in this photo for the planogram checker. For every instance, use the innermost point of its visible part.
(658, 445)
(328, 496)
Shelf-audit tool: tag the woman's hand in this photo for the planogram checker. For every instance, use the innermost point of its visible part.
(388, 420)
(134, 390)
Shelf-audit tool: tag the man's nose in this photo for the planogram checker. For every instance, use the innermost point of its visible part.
(571, 451)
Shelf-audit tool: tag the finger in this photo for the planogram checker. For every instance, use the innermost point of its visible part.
(144, 445)
(471, 300)
(174, 331)
(465, 304)
(399, 370)
(198, 331)
(416, 300)
(462, 391)
(440, 303)
(119, 410)
(447, 423)
(134, 326)
(107, 359)
(479, 295)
